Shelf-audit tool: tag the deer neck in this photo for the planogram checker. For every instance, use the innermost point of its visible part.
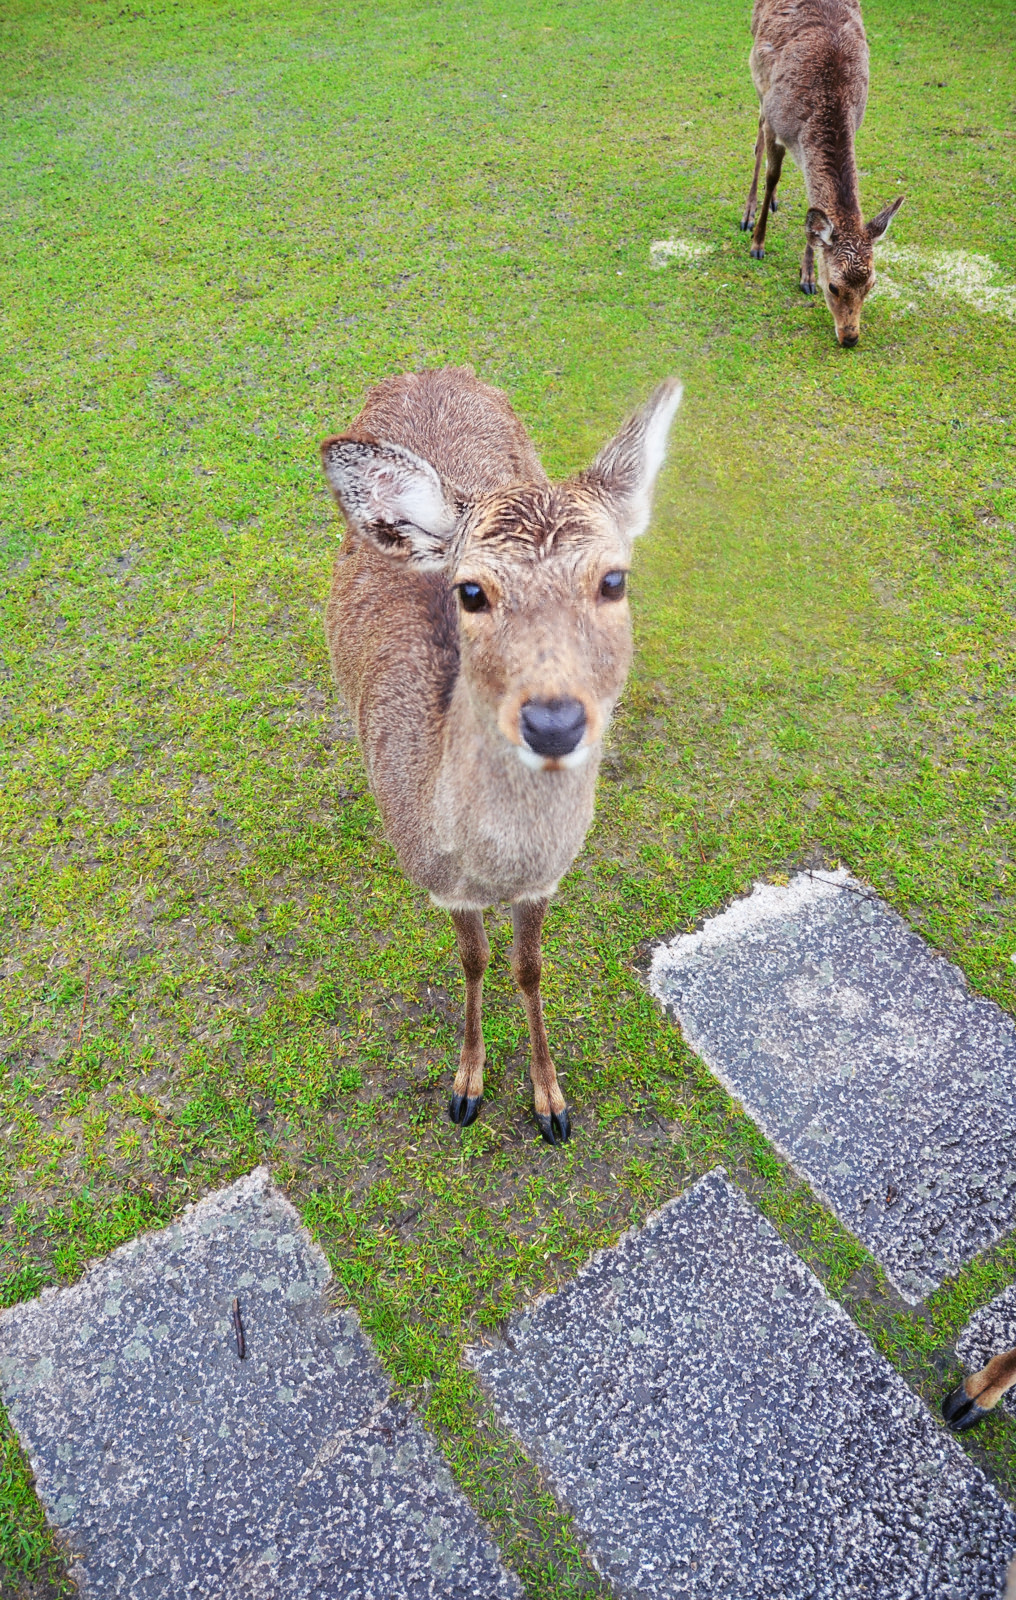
(496, 829)
(830, 168)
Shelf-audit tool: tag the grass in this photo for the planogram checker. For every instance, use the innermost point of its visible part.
(220, 223)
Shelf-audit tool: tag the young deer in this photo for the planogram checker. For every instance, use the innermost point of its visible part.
(810, 66)
(968, 1405)
(480, 634)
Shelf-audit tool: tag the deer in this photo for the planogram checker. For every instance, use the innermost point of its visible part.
(809, 62)
(963, 1408)
(480, 634)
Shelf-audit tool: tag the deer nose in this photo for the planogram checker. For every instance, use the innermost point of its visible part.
(553, 727)
(849, 340)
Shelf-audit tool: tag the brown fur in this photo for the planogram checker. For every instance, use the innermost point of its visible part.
(809, 63)
(441, 487)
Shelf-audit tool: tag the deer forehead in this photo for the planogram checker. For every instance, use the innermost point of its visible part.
(539, 534)
(854, 263)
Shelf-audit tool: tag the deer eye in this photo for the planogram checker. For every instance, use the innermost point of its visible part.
(834, 291)
(473, 597)
(613, 585)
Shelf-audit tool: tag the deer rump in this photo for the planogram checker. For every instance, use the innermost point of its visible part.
(480, 635)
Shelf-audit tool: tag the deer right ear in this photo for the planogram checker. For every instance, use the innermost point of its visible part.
(818, 227)
(393, 498)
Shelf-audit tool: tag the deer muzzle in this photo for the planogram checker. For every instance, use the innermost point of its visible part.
(552, 728)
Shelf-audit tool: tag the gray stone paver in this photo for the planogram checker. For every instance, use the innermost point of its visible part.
(172, 1468)
(720, 1428)
(990, 1331)
(866, 1059)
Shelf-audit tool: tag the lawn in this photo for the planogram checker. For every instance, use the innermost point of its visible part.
(220, 223)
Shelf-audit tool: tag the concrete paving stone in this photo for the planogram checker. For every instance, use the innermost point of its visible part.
(721, 1430)
(173, 1468)
(867, 1061)
(990, 1331)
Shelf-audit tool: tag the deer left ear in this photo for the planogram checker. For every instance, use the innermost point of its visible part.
(626, 469)
(878, 225)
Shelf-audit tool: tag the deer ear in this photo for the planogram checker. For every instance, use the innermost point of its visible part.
(878, 225)
(626, 469)
(393, 498)
(818, 227)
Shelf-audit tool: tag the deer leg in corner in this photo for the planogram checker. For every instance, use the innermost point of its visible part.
(774, 166)
(474, 953)
(808, 271)
(968, 1405)
(548, 1101)
(760, 143)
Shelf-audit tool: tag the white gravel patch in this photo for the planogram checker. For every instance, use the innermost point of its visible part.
(682, 251)
(964, 275)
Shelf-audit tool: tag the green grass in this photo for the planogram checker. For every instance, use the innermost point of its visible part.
(220, 223)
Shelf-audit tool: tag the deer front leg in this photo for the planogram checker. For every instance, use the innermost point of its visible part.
(774, 166)
(808, 270)
(968, 1405)
(760, 144)
(527, 962)
(474, 953)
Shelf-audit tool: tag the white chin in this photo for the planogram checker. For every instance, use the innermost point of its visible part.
(537, 763)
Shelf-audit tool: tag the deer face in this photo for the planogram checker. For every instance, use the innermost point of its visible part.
(544, 626)
(539, 575)
(846, 266)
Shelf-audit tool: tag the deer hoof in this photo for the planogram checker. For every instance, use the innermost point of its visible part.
(960, 1412)
(556, 1128)
(748, 220)
(774, 204)
(464, 1109)
(807, 285)
(758, 252)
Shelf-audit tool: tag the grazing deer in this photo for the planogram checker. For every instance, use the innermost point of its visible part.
(968, 1405)
(480, 634)
(810, 66)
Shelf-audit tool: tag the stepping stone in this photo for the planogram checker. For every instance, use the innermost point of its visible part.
(173, 1468)
(867, 1061)
(990, 1331)
(719, 1427)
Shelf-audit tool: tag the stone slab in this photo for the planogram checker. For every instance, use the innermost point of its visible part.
(990, 1331)
(718, 1427)
(867, 1061)
(173, 1468)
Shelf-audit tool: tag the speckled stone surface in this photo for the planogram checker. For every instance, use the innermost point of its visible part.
(172, 1468)
(721, 1430)
(990, 1331)
(867, 1061)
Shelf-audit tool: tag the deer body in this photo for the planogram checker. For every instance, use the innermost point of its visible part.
(809, 63)
(479, 634)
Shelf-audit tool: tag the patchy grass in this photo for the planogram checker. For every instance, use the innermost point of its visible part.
(219, 225)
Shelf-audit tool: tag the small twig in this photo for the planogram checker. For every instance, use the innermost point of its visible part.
(232, 620)
(84, 1003)
(852, 888)
(698, 841)
(400, 1222)
(241, 1346)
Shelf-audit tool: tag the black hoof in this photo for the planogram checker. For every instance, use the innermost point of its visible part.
(806, 287)
(746, 223)
(464, 1109)
(960, 1412)
(773, 204)
(757, 252)
(556, 1128)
